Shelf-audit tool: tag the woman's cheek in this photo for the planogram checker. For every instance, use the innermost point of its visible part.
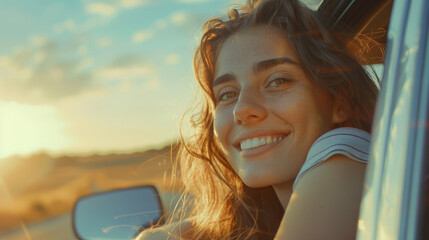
(216, 124)
(222, 126)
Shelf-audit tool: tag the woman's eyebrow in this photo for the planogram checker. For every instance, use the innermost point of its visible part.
(266, 64)
(222, 79)
(258, 67)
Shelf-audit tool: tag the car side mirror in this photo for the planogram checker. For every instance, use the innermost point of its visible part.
(118, 214)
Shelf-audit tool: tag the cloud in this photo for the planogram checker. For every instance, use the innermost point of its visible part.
(104, 42)
(193, 1)
(129, 72)
(182, 22)
(67, 25)
(40, 41)
(172, 59)
(110, 8)
(43, 74)
(82, 50)
(132, 3)
(102, 9)
(85, 64)
(125, 86)
(187, 21)
(161, 24)
(126, 67)
(92, 23)
(47, 71)
(153, 83)
(142, 36)
(178, 18)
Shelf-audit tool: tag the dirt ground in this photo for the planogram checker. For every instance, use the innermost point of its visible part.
(38, 188)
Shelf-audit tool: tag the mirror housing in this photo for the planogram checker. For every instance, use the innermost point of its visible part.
(118, 214)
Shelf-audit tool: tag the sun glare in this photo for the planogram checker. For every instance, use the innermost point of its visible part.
(28, 128)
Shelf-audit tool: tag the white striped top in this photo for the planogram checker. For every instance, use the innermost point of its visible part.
(351, 142)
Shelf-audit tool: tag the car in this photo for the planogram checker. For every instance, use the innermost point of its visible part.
(395, 203)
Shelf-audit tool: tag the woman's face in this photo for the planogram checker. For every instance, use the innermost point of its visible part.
(268, 112)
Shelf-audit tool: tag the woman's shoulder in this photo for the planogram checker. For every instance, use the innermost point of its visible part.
(352, 143)
(155, 234)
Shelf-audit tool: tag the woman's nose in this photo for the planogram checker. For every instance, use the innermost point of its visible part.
(249, 109)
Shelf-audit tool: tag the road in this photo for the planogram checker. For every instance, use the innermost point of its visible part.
(57, 228)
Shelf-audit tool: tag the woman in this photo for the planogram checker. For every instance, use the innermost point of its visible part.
(270, 156)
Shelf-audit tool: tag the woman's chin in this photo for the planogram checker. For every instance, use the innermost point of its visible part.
(257, 181)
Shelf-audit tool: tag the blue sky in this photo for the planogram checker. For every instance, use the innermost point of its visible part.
(82, 76)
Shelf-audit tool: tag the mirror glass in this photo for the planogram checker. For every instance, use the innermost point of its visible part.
(119, 214)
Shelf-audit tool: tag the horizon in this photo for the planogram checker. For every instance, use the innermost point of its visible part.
(101, 153)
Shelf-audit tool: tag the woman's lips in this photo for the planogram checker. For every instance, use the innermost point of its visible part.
(258, 141)
(259, 145)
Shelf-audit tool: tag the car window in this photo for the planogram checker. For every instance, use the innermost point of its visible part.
(425, 195)
(393, 205)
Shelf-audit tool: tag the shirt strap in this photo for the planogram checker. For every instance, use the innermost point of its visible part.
(351, 142)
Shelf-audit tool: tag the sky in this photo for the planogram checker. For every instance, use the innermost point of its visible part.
(85, 76)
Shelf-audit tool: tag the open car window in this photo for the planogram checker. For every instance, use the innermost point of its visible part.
(394, 204)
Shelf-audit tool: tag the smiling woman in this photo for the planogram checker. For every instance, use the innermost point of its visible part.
(277, 103)
(283, 132)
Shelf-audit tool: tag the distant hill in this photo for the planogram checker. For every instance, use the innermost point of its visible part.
(41, 186)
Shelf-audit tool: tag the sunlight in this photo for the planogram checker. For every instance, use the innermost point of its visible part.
(28, 128)
(361, 225)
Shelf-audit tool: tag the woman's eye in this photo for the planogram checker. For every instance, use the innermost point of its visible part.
(227, 96)
(277, 82)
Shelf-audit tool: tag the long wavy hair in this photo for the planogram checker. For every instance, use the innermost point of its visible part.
(222, 206)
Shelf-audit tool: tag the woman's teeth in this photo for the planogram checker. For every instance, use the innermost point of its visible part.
(258, 141)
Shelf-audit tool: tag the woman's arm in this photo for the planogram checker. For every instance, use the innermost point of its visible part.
(325, 203)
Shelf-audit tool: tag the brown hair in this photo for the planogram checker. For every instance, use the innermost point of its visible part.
(223, 207)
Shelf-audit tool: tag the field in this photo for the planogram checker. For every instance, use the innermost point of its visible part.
(36, 189)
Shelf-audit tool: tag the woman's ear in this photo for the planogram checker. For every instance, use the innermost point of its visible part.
(340, 113)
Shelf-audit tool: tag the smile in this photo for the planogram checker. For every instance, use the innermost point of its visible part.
(259, 141)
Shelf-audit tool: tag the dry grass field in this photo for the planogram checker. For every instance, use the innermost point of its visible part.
(39, 187)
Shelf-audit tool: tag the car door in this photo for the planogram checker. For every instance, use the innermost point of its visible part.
(393, 204)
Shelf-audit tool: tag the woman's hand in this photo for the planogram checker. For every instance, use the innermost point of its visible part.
(325, 203)
(155, 234)
(172, 231)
